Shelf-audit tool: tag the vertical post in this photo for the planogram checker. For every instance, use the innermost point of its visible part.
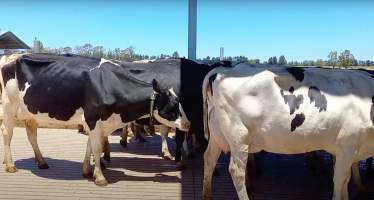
(192, 21)
(221, 54)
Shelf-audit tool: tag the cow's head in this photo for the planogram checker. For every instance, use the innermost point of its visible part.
(168, 109)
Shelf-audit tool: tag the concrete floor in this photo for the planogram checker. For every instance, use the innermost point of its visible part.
(138, 172)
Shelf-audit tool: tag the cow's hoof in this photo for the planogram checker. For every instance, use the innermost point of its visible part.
(101, 182)
(168, 156)
(106, 157)
(43, 166)
(207, 197)
(180, 166)
(123, 143)
(11, 169)
(88, 175)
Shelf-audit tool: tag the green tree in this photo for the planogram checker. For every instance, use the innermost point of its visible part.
(110, 54)
(282, 60)
(254, 61)
(87, 49)
(319, 63)
(175, 54)
(333, 58)
(98, 52)
(270, 61)
(273, 60)
(67, 50)
(346, 58)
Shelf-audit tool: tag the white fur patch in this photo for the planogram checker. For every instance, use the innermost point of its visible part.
(180, 123)
(102, 61)
(27, 85)
(171, 90)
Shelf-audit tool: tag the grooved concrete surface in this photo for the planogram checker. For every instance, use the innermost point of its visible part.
(138, 172)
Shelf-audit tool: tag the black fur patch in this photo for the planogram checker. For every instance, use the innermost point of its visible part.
(136, 71)
(296, 72)
(297, 121)
(211, 79)
(320, 100)
(372, 110)
(292, 100)
(291, 90)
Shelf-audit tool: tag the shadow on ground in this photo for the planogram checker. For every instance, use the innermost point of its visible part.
(71, 170)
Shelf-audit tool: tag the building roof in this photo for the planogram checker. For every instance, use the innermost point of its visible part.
(10, 41)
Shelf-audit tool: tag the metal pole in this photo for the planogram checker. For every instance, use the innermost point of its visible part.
(221, 54)
(192, 21)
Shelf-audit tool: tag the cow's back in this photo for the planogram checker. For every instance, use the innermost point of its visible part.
(297, 109)
(45, 85)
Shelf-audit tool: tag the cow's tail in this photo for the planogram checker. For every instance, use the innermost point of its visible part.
(205, 109)
(2, 63)
(207, 98)
(5, 60)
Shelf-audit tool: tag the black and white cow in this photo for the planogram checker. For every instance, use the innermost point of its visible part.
(104, 95)
(141, 127)
(288, 110)
(59, 90)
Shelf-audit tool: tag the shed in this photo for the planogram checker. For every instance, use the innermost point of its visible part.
(10, 41)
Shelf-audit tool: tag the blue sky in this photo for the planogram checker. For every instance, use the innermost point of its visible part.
(258, 29)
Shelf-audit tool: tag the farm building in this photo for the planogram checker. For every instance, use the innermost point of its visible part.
(11, 43)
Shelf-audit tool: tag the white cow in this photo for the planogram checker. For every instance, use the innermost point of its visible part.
(288, 110)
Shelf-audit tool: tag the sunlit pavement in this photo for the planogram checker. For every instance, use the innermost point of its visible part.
(138, 172)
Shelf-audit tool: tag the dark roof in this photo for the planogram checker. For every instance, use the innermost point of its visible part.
(10, 41)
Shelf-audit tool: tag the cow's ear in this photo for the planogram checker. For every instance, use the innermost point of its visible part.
(156, 86)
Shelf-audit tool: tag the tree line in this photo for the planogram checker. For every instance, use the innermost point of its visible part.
(127, 54)
(344, 59)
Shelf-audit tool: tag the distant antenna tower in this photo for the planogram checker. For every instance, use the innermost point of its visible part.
(221, 53)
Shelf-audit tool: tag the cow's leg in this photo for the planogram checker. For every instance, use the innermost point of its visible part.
(357, 177)
(179, 137)
(7, 129)
(96, 146)
(32, 134)
(138, 132)
(87, 171)
(237, 169)
(150, 129)
(211, 156)
(81, 129)
(342, 175)
(185, 146)
(369, 164)
(251, 167)
(124, 135)
(106, 148)
(164, 130)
